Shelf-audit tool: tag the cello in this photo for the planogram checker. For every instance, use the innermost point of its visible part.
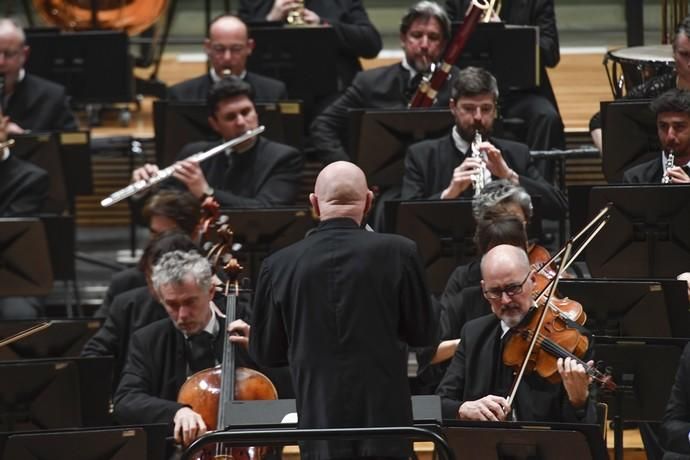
(208, 391)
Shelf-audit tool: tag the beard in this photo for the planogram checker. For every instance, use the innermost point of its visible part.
(511, 314)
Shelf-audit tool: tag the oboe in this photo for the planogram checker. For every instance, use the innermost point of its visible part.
(478, 179)
(666, 179)
(138, 186)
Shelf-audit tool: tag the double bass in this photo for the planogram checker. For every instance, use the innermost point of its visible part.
(208, 391)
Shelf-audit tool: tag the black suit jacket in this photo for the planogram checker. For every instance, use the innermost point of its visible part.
(676, 423)
(475, 371)
(380, 88)
(266, 175)
(38, 104)
(538, 13)
(23, 187)
(197, 89)
(649, 172)
(129, 312)
(122, 281)
(356, 35)
(429, 168)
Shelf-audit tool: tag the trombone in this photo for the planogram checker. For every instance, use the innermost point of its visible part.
(144, 184)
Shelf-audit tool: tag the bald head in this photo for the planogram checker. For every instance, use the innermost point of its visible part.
(228, 45)
(341, 191)
(15, 52)
(505, 257)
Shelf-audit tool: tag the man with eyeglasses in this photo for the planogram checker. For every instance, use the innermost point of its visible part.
(444, 168)
(477, 382)
(228, 47)
(31, 102)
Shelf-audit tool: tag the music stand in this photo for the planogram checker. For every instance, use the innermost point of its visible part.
(93, 66)
(259, 232)
(75, 150)
(177, 123)
(65, 338)
(289, 55)
(641, 308)
(647, 234)
(515, 67)
(644, 370)
(23, 271)
(55, 393)
(525, 440)
(379, 138)
(629, 136)
(43, 150)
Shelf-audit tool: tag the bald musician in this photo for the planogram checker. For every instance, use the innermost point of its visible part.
(339, 307)
(477, 382)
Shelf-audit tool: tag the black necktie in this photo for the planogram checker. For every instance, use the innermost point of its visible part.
(200, 351)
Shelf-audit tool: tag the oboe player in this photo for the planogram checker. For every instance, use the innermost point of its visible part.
(672, 111)
(257, 173)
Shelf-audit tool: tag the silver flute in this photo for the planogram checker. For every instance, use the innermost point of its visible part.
(478, 179)
(141, 185)
(666, 179)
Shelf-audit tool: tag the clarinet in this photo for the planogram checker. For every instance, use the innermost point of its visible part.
(666, 179)
(478, 179)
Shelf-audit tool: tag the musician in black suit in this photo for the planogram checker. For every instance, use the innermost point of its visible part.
(228, 46)
(32, 103)
(355, 34)
(23, 186)
(675, 427)
(257, 173)
(538, 107)
(476, 383)
(672, 111)
(424, 32)
(445, 168)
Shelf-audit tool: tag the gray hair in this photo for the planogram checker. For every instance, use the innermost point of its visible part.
(426, 10)
(474, 81)
(176, 266)
(682, 28)
(9, 22)
(500, 193)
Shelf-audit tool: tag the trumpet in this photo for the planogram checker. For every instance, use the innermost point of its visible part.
(666, 179)
(144, 184)
(478, 179)
(490, 8)
(296, 16)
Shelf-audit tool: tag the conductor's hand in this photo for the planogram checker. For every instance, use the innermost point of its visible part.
(490, 408)
(462, 178)
(280, 9)
(188, 426)
(575, 380)
(145, 172)
(190, 174)
(678, 176)
(239, 332)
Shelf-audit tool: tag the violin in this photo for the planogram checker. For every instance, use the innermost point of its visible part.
(552, 329)
(208, 391)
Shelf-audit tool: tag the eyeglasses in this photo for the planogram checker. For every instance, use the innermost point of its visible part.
(510, 290)
(220, 50)
(9, 54)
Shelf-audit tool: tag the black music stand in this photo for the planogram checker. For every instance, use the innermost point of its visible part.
(75, 150)
(260, 232)
(644, 370)
(23, 246)
(177, 123)
(65, 338)
(629, 136)
(43, 150)
(55, 393)
(304, 58)
(641, 308)
(525, 440)
(515, 67)
(378, 139)
(93, 66)
(647, 235)
(107, 444)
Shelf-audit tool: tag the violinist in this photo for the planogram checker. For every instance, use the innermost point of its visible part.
(164, 353)
(477, 382)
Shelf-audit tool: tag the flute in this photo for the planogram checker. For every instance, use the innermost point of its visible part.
(144, 184)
